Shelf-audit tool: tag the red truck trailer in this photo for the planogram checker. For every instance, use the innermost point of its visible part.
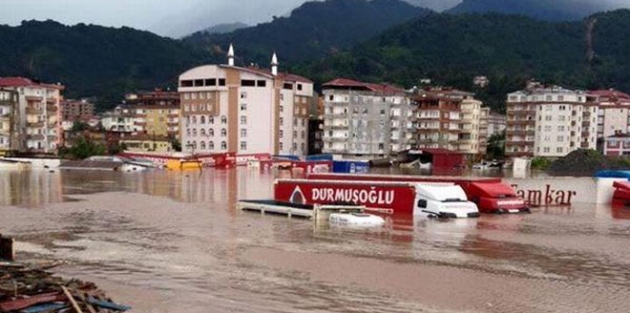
(397, 198)
(490, 194)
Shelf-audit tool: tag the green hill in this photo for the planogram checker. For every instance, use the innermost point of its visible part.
(93, 60)
(452, 49)
(313, 30)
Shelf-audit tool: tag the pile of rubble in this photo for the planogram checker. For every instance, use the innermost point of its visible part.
(27, 289)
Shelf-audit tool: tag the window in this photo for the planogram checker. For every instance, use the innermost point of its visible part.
(281, 145)
(223, 145)
(211, 132)
(303, 121)
(243, 132)
(560, 98)
(186, 83)
(203, 145)
(223, 132)
(548, 118)
(559, 150)
(288, 86)
(547, 128)
(203, 119)
(243, 106)
(194, 120)
(203, 132)
(281, 121)
(194, 96)
(243, 94)
(331, 98)
(243, 120)
(294, 134)
(282, 108)
(243, 145)
(248, 83)
(261, 83)
(210, 82)
(281, 134)
(302, 134)
(210, 145)
(546, 149)
(223, 119)
(548, 107)
(194, 132)
(560, 128)
(382, 112)
(560, 138)
(299, 86)
(221, 81)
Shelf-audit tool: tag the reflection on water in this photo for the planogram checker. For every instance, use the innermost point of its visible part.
(156, 238)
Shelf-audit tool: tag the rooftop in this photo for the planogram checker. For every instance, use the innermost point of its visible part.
(349, 83)
(24, 82)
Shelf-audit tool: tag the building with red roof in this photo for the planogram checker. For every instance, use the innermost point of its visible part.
(35, 119)
(365, 120)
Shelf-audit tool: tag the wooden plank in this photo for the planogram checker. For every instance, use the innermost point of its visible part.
(87, 304)
(71, 299)
(18, 304)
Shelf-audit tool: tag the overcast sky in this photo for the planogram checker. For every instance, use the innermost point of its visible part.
(165, 17)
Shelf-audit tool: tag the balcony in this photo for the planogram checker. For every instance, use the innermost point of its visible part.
(34, 98)
(51, 108)
(35, 137)
(586, 124)
(33, 111)
(140, 124)
(172, 124)
(51, 100)
(329, 127)
(585, 145)
(39, 124)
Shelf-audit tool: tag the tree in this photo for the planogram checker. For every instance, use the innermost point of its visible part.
(496, 146)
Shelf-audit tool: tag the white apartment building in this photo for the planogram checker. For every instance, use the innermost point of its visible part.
(549, 122)
(364, 120)
(246, 110)
(36, 125)
(8, 104)
(613, 116)
(470, 136)
(496, 123)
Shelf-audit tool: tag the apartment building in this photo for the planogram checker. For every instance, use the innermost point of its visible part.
(484, 119)
(141, 119)
(549, 122)
(613, 115)
(246, 110)
(8, 105)
(496, 123)
(75, 110)
(363, 120)
(36, 125)
(447, 118)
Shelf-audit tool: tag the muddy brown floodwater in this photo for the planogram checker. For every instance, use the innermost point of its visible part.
(175, 242)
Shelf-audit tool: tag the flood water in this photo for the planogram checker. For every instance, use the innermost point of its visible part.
(175, 242)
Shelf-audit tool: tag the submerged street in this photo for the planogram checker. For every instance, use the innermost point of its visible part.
(175, 242)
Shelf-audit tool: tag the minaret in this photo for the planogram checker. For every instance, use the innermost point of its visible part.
(274, 65)
(231, 56)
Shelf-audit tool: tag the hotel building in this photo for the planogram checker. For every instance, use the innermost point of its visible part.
(246, 110)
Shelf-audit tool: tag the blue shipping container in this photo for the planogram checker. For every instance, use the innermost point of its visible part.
(350, 167)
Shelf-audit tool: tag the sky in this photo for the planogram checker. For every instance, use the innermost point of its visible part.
(174, 18)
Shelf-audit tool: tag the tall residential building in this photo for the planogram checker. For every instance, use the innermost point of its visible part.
(364, 120)
(484, 118)
(143, 120)
(549, 122)
(613, 116)
(73, 110)
(8, 120)
(496, 123)
(449, 119)
(37, 118)
(246, 110)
